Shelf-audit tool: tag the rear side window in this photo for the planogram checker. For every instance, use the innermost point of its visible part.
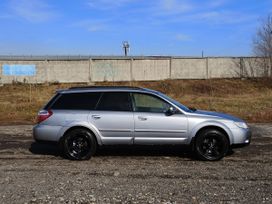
(77, 101)
(115, 101)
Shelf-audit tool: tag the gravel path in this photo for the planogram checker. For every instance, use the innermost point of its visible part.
(35, 173)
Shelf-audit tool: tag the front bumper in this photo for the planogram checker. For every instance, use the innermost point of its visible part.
(242, 137)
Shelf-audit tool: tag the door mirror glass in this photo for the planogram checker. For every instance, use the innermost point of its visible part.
(170, 111)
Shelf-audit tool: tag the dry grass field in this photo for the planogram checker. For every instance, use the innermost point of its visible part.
(248, 99)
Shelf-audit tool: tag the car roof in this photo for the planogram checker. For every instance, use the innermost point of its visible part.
(79, 89)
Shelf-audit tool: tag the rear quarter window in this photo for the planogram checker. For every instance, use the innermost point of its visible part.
(51, 101)
(76, 101)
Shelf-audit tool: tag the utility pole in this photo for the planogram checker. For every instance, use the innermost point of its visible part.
(126, 47)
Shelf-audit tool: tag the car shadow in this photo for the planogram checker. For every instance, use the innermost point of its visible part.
(144, 150)
(45, 148)
(230, 152)
(118, 150)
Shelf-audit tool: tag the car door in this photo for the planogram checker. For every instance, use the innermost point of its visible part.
(153, 125)
(113, 117)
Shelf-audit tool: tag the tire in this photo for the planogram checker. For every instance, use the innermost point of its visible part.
(79, 144)
(211, 145)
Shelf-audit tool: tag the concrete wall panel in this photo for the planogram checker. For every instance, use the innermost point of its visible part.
(188, 69)
(254, 67)
(68, 71)
(147, 70)
(51, 71)
(110, 70)
(40, 76)
(224, 67)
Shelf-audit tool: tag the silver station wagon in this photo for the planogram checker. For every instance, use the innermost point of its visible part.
(81, 118)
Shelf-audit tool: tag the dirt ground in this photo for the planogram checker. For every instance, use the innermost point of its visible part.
(35, 173)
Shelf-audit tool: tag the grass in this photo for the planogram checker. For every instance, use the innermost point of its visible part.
(250, 100)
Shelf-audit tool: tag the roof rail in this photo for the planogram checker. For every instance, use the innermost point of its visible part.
(104, 87)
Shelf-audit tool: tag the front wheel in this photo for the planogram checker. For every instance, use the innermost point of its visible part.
(79, 144)
(211, 145)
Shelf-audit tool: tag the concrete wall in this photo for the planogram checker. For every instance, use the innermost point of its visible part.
(188, 68)
(223, 67)
(110, 70)
(51, 71)
(149, 70)
(255, 67)
(41, 73)
(67, 70)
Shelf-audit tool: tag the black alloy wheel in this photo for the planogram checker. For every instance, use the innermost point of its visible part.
(79, 144)
(211, 145)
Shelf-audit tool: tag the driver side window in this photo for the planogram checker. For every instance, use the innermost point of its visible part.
(148, 103)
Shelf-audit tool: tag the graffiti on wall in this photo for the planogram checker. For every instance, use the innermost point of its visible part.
(19, 70)
(105, 71)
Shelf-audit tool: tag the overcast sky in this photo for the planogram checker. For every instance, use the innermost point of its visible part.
(152, 27)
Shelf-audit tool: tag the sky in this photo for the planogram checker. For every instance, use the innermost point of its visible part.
(152, 27)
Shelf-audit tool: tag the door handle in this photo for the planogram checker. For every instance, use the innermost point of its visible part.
(142, 118)
(96, 117)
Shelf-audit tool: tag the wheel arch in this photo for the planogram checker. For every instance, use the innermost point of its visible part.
(212, 125)
(64, 132)
(216, 128)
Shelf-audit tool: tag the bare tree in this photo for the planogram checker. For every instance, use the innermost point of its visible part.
(263, 45)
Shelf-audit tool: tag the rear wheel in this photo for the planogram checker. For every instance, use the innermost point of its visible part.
(211, 145)
(79, 144)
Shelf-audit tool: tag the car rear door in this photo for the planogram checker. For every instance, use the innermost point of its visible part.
(153, 126)
(113, 117)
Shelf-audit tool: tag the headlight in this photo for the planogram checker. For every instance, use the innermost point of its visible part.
(241, 125)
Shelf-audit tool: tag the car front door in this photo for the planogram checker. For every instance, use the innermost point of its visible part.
(152, 123)
(113, 117)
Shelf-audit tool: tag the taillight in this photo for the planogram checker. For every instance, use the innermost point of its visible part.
(43, 115)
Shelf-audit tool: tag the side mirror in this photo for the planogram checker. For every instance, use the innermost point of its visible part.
(171, 111)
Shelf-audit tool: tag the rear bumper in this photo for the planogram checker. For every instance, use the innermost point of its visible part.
(46, 133)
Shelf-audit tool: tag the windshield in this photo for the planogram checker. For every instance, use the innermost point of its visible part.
(183, 107)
